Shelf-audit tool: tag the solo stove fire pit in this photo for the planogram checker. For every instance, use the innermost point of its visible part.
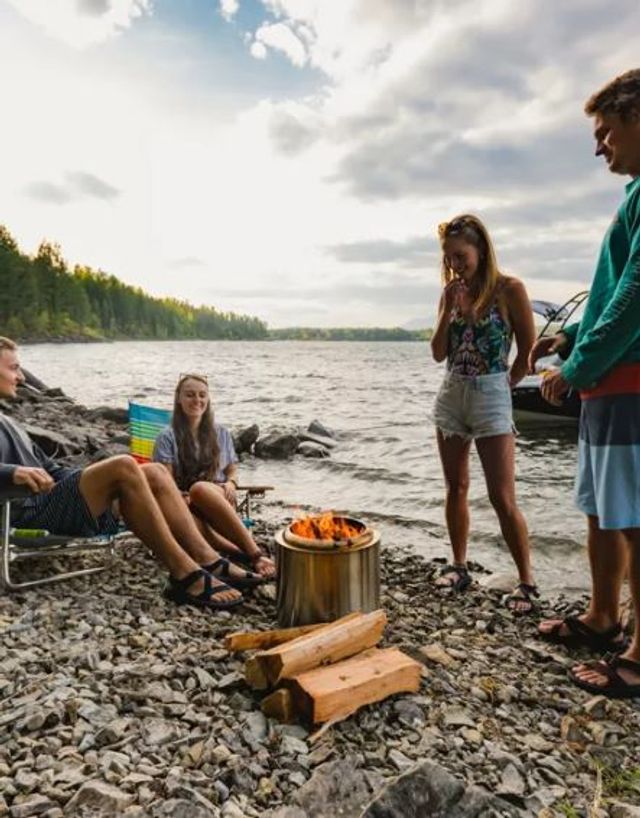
(328, 566)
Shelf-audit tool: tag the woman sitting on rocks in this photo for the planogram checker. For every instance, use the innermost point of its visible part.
(480, 311)
(200, 455)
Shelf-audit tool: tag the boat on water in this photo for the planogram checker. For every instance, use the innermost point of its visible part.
(528, 403)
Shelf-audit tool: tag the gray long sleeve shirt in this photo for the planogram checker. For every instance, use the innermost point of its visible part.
(17, 449)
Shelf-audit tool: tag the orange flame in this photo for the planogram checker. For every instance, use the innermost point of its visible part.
(327, 526)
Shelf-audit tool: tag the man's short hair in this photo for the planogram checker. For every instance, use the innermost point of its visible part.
(7, 343)
(621, 96)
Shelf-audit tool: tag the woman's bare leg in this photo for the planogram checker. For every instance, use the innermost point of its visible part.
(454, 456)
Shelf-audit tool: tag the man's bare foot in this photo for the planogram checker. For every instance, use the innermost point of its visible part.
(583, 631)
(265, 566)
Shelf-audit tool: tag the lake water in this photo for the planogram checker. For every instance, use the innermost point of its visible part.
(378, 398)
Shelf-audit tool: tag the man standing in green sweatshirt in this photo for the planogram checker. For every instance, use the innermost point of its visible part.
(602, 360)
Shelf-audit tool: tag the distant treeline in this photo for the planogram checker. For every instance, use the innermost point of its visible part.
(348, 334)
(41, 298)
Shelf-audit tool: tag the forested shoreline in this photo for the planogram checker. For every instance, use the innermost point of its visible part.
(41, 299)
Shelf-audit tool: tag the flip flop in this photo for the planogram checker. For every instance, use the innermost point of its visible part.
(615, 687)
(178, 591)
(581, 635)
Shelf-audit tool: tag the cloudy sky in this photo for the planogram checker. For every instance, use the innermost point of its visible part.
(291, 158)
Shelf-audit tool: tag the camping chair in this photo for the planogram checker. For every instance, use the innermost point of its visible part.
(22, 544)
(146, 423)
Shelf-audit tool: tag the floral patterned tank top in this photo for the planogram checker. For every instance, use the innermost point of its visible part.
(481, 348)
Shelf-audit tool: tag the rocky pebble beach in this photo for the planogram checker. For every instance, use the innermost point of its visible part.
(114, 701)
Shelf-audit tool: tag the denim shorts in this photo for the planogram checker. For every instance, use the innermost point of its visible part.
(472, 407)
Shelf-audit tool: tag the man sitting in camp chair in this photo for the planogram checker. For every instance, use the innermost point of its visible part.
(80, 502)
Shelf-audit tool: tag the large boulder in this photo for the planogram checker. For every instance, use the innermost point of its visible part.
(309, 449)
(317, 428)
(327, 442)
(51, 443)
(113, 413)
(246, 438)
(277, 445)
(430, 791)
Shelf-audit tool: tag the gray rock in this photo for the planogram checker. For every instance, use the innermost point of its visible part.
(33, 805)
(429, 790)
(277, 445)
(309, 449)
(512, 783)
(113, 413)
(335, 785)
(52, 443)
(182, 808)
(245, 439)
(317, 428)
(326, 442)
(258, 726)
(98, 798)
(291, 746)
(618, 809)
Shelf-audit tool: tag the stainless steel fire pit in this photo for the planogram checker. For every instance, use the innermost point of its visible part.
(320, 580)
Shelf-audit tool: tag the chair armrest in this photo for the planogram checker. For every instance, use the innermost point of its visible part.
(255, 489)
(14, 493)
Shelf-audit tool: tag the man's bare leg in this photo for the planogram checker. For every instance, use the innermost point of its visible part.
(179, 518)
(608, 559)
(591, 675)
(121, 479)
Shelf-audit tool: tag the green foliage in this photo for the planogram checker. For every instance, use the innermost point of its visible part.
(41, 298)
(620, 783)
(347, 334)
(567, 809)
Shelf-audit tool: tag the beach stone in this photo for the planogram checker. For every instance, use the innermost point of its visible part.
(99, 797)
(336, 784)
(437, 654)
(320, 440)
(33, 805)
(52, 443)
(286, 812)
(512, 783)
(115, 414)
(277, 445)
(182, 808)
(618, 809)
(430, 790)
(291, 746)
(245, 439)
(310, 449)
(258, 726)
(318, 428)
(458, 717)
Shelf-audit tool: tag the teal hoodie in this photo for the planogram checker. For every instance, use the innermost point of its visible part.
(609, 332)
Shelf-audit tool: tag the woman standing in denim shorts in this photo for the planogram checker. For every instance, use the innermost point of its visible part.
(480, 311)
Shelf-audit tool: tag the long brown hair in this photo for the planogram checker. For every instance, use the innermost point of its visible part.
(471, 229)
(194, 462)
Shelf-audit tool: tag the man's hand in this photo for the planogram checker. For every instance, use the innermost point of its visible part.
(553, 387)
(37, 480)
(546, 346)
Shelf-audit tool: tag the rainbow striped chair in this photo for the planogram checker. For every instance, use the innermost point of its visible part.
(146, 423)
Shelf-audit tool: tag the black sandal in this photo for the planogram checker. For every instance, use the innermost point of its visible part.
(522, 593)
(615, 687)
(178, 591)
(221, 569)
(461, 583)
(581, 635)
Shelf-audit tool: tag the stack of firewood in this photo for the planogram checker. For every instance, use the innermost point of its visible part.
(324, 673)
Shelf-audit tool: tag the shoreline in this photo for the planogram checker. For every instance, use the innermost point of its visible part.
(103, 680)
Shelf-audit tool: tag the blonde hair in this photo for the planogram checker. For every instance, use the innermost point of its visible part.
(7, 343)
(471, 230)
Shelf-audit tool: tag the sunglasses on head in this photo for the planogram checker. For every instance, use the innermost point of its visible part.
(455, 226)
(195, 375)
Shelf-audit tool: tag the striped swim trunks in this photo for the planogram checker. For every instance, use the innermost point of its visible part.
(608, 478)
(64, 511)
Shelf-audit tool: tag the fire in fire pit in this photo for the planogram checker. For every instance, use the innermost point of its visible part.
(327, 527)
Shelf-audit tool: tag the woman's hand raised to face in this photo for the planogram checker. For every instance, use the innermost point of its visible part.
(457, 294)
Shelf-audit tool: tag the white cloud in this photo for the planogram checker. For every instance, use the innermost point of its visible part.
(258, 50)
(229, 8)
(82, 23)
(280, 37)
